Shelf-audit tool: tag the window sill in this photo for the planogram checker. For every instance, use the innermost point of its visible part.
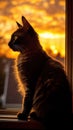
(8, 119)
(14, 123)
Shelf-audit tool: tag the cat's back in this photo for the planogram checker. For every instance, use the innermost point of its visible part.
(54, 76)
(53, 68)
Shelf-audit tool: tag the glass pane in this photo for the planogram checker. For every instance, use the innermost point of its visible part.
(48, 18)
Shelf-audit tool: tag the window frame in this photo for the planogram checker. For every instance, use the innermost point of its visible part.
(69, 40)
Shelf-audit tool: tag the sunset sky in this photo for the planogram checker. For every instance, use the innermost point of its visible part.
(46, 16)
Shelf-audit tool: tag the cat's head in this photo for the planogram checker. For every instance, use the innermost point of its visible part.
(24, 37)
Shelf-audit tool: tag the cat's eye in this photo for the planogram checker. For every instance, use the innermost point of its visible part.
(16, 37)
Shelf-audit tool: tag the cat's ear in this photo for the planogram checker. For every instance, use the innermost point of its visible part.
(19, 25)
(26, 24)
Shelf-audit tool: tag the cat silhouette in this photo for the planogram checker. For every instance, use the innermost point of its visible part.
(42, 79)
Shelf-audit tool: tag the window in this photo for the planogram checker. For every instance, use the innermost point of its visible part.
(51, 30)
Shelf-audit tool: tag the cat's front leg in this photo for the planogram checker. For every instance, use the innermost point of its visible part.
(27, 104)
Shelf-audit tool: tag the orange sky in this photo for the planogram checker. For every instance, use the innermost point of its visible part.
(46, 16)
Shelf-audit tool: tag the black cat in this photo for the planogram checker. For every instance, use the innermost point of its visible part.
(43, 81)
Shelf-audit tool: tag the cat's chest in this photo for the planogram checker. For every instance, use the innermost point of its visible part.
(22, 59)
(21, 62)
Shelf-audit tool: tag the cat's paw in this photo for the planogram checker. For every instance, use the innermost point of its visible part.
(21, 116)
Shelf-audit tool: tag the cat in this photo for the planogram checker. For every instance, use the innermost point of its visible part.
(43, 81)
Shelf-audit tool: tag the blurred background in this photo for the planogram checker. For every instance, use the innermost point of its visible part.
(48, 18)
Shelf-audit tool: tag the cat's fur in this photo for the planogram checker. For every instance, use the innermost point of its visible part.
(43, 79)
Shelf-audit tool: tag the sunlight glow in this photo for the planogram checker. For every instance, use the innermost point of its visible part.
(53, 48)
(50, 35)
(46, 17)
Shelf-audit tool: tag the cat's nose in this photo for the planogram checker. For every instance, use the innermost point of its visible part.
(9, 44)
